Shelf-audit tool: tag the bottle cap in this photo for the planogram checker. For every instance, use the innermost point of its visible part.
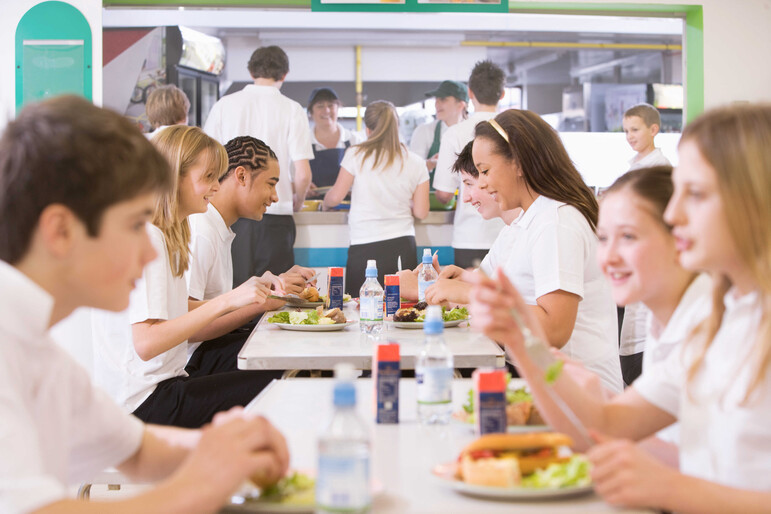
(427, 257)
(371, 270)
(434, 323)
(344, 395)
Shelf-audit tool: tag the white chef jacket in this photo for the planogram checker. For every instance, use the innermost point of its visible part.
(423, 137)
(470, 230)
(264, 113)
(723, 439)
(555, 249)
(381, 198)
(158, 295)
(57, 429)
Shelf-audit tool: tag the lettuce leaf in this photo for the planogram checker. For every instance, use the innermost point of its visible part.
(294, 489)
(457, 313)
(279, 317)
(573, 473)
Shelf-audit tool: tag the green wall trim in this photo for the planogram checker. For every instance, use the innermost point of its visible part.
(53, 21)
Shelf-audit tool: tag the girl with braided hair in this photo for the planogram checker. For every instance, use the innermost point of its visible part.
(143, 352)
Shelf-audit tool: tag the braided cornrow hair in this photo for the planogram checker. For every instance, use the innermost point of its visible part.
(249, 152)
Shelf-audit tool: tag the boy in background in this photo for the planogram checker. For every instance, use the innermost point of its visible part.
(166, 106)
(78, 185)
(641, 124)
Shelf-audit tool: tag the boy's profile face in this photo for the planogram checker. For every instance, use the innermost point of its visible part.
(105, 268)
(260, 191)
(480, 199)
(638, 134)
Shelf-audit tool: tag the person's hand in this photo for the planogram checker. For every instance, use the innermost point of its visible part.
(492, 302)
(431, 162)
(234, 447)
(251, 291)
(273, 282)
(446, 290)
(587, 380)
(626, 475)
(408, 284)
(451, 271)
(306, 273)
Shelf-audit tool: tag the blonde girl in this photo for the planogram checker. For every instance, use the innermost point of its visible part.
(144, 369)
(717, 384)
(390, 186)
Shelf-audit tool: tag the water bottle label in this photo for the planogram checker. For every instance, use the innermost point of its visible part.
(371, 308)
(422, 286)
(343, 483)
(434, 385)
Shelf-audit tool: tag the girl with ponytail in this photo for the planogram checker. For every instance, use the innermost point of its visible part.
(390, 186)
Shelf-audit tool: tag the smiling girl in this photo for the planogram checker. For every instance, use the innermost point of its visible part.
(144, 368)
(522, 163)
(717, 384)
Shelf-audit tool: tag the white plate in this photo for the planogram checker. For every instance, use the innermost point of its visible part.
(415, 325)
(314, 328)
(446, 473)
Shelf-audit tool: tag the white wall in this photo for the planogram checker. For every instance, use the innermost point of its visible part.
(11, 11)
(736, 47)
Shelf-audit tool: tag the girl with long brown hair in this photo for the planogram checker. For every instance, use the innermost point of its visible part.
(716, 385)
(390, 187)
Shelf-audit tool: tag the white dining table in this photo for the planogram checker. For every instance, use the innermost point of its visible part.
(403, 454)
(270, 347)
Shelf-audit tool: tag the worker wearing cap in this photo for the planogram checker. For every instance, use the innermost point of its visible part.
(451, 99)
(328, 137)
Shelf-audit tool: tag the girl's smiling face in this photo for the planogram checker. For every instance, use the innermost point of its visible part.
(198, 185)
(697, 214)
(498, 176)
(636, 251)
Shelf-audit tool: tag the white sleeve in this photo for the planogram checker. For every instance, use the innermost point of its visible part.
(420, 143)
(444, 178)
(351, 162)
(558, 260)
(420, 173)
(202, 258)
(661, 384)
(300, 147)
(150, 298)
(213, 123)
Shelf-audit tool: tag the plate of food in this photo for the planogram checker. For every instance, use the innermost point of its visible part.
(294, 493)
(413, 317)
(516, 467)
(346, 298)
(313, 320)
(521, 412)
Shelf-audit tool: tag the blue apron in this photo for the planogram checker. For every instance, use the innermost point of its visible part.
(325, 165)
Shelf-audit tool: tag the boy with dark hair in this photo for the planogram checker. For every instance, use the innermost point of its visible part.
(261, 111)
(472, 236)
(77, 186)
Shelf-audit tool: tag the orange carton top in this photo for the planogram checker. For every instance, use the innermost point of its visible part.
(392, 280)
(335, 271)
(490, 380)
(388, 352)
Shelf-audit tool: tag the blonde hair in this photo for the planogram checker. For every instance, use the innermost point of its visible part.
(736, 142)
(166, 105)
(380, 117)
(182, 146)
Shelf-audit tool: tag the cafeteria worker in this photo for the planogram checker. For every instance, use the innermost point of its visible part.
(329, 138)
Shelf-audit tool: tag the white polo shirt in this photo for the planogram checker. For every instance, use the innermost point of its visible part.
(423, 137)
(555, 249)
(500, 250)
(381, 199)
(723, 439)
(655, 158)
(158, 295)
(211, 265)
(264, 113)
(56, 429)
(470, 229)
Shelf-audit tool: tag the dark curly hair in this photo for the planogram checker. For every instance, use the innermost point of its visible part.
(249, 152)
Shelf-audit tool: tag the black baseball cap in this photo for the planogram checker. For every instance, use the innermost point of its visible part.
(322, 94)
(451, 88)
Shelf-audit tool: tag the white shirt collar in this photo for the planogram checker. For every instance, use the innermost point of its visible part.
(539, 205)
(733, 302)
(225, 233)
(25, 307)
(269, 90)
(340, 142)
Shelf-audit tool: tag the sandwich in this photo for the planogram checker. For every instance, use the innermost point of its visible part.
(503, 460)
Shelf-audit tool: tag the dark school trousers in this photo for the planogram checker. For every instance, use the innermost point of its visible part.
(260, 246)
(386, 253)
(213, 384)
(466, 258)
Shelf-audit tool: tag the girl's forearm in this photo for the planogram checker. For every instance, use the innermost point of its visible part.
(687, 494)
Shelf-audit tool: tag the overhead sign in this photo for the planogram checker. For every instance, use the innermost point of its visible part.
(411, 5)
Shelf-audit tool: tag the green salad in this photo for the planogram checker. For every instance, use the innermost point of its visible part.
(573, 473)
(294, 489)
(309, 317)
(458, 313)
(512, 396)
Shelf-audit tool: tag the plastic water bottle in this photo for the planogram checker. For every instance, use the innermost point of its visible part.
(427, 274)
(343, 483)
(371, 302)
(434, 372)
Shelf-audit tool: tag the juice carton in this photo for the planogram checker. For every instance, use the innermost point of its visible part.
(385, 378)
(335, 287)
(392, 298)
(489, 400)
